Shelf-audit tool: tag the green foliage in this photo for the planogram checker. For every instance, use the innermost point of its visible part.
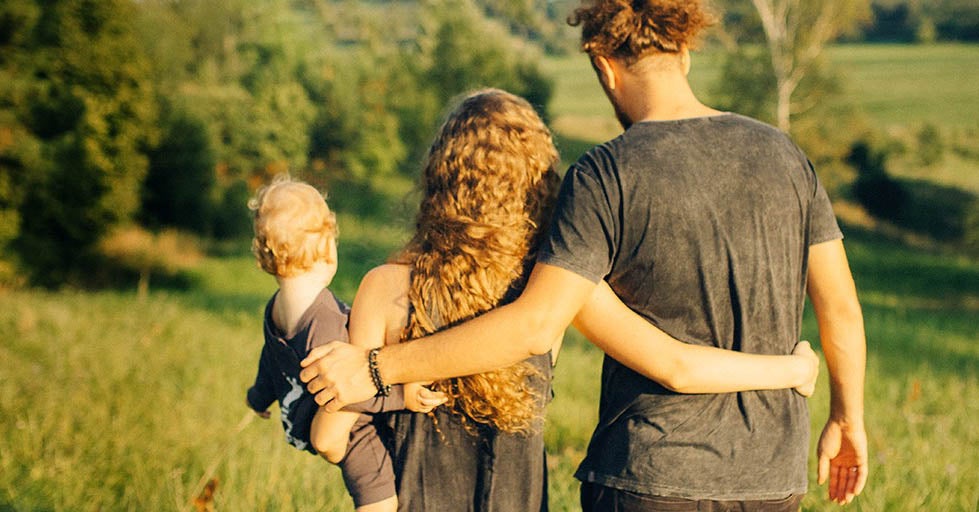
(541, 21)
(77, 113)
(146, 254)
(943, 213)
(874, 188)
(956, 20)
(458, 52)
(746, 84)
(231, 217)
(903, 21)
(179, 185)
(356, 133)
(931, 149)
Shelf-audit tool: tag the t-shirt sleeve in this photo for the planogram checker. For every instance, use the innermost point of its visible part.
(262, 393)
(822, 221)
(393, 402)
(582, 236)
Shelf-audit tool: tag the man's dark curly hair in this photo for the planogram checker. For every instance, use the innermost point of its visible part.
(632, 29)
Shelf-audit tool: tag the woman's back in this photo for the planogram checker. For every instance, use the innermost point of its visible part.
(444, 461)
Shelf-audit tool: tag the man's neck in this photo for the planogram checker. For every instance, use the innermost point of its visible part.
(664, 96)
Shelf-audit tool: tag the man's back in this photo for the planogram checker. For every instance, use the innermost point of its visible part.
(702, 226)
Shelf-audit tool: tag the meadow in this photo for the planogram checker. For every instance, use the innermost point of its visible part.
(108, 402)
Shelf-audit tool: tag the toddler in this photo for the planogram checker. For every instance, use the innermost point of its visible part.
(295, 241)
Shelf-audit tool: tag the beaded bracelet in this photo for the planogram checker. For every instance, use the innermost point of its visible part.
(382, 389)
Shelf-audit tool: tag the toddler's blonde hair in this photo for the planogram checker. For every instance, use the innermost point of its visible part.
(293, 227)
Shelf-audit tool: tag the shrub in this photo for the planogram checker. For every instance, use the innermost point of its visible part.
(145, 254)
(874, 188)
(931, 148)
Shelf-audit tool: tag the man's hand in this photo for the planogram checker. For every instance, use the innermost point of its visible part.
(842, 454)
(337, 375)
(804, 350)
(419, 398)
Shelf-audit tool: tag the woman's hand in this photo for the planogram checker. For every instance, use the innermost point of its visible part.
(419, 398)
(803, 350)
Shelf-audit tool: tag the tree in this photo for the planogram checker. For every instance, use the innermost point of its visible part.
(78, 111)
(178, 188)
(796, 32)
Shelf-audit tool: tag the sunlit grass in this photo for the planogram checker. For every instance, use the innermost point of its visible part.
(108, 402)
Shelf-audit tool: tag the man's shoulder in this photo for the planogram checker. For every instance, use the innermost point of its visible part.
(757, 129)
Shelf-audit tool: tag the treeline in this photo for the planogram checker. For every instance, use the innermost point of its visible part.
(158, 115)
(904, 21)
(922, 21)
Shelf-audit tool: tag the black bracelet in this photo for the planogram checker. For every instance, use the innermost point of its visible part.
(382, 389)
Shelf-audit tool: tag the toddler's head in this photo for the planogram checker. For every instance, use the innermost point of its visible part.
(294, 228)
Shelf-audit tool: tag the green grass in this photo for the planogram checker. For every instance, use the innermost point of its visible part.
(912, 84)
(111, 403)
(896, 85)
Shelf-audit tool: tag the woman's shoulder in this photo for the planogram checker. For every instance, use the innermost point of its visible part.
(388, 274)
(388, 280)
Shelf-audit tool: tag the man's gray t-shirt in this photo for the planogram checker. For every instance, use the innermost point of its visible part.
(703, 227)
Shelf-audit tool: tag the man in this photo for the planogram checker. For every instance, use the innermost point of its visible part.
(711, 226)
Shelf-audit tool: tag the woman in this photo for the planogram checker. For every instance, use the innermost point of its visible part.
(488, 185)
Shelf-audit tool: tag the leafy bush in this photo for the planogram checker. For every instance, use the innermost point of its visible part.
(874, 188)
(78, 107)
(179, 185)
(931, 148)
(146, 254)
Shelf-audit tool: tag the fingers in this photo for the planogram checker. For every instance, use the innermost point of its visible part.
(806, 390)
(803, 347)
(425, 393)
(863, 472)
(318, 353)
(333, 404)
(316, 364)
(432, 402)
(837, 481)
(325, 396)
(848, 491)
(822, 471)
(426, 400)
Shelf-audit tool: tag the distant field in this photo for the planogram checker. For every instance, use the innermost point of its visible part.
(897, 85)
(900, 88)
(910, 85)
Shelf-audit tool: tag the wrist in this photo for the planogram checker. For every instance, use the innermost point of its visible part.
(847, 421)
(373, 365)
(805, 369)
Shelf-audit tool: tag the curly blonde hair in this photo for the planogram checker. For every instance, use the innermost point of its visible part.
(632, 29)
(293, 227)
(488, 186)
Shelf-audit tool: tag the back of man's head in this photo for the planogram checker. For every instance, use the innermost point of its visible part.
(632, 29)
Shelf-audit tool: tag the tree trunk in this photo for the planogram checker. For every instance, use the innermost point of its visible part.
(143, 286)
(783, 104)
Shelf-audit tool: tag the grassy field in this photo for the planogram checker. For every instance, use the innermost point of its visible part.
(112, 403)
(897, 86)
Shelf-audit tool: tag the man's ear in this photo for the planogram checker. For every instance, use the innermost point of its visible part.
(605, 70)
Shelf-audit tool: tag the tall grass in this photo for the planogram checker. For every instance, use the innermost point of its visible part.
(112, 403)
